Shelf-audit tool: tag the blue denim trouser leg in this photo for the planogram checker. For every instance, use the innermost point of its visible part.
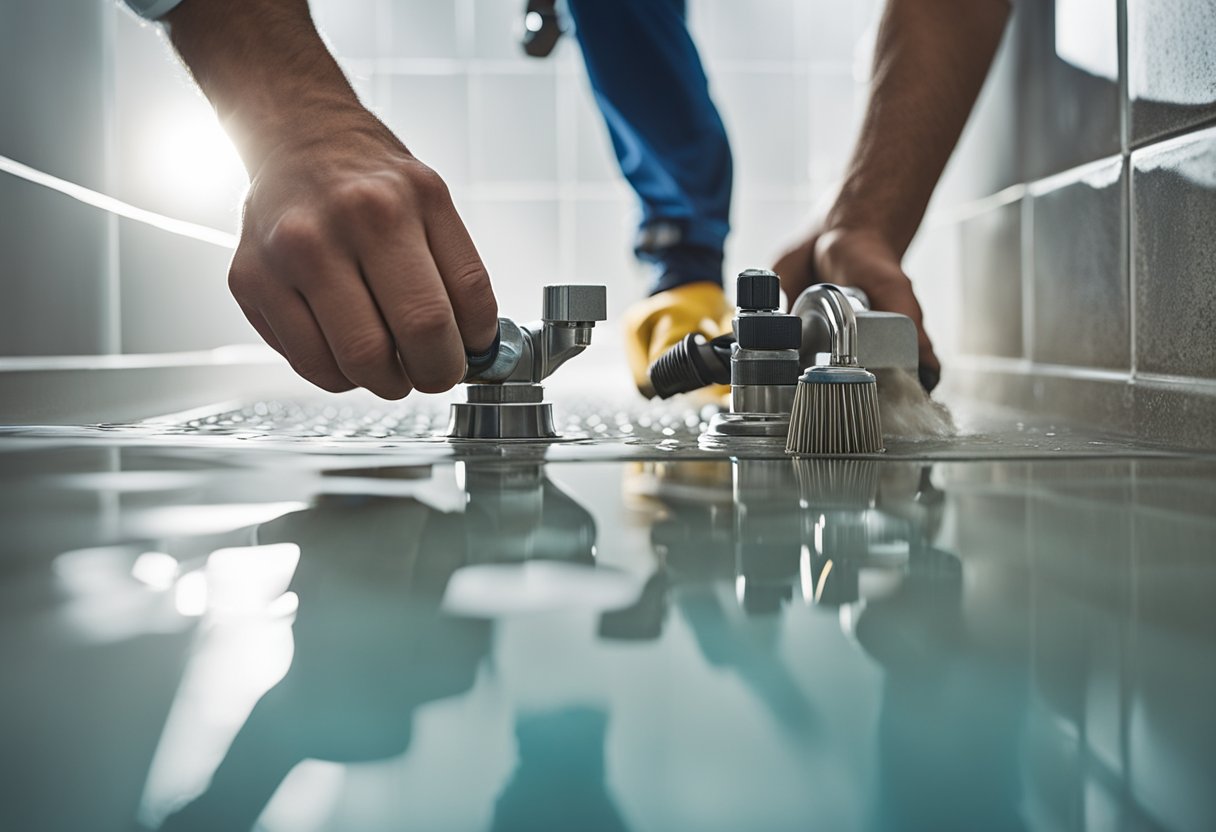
(666, 131)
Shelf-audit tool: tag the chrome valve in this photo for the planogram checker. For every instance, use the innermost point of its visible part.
(505, 397)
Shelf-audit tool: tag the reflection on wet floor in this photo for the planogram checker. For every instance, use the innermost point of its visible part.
(204, 639)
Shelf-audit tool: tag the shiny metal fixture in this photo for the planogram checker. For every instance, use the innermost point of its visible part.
(835, 410)
(505, 398)
(764, 367)
(884, 339)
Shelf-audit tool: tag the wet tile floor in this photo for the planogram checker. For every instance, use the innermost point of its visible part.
(221, 635)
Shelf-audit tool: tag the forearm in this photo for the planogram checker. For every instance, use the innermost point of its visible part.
(931, 59)
(265, 70)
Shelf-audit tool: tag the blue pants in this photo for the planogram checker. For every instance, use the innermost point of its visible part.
(666, 131)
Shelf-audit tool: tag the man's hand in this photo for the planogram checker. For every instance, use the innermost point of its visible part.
(353, 262)
(930, 60)
(862, 259)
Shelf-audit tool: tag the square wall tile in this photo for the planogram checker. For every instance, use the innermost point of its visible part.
(1176, 414)
(514, 128)
(990, 257)
(766, 118)
(836, 108)
(595, 160)
(422, 29)
(1069, 79)
(762, 229)
(1081, 306)
(932, 263)
(175, 293)
(430, 114)
(350, 27)
(758, 30)
(53, 256)
(603, 250)
(832, 32)
(52, 87)
(1174, 255)
(518, 242)
(1171, 65)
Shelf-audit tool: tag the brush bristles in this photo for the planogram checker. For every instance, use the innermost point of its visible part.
(831, 418)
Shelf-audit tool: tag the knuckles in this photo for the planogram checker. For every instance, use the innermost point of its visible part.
(364, 350)
(370, 200)
(299, 234)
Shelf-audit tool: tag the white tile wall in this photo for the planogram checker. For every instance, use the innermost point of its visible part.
(514, 128)
(519, 140)
(430, 113)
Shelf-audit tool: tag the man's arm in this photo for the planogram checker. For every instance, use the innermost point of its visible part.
(930, 61)
(353, 262)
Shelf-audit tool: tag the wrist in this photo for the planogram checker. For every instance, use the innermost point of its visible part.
(266, 71)
(260, 132)
(837, 245)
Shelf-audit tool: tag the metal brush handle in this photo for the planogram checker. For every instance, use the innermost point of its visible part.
(842, 322)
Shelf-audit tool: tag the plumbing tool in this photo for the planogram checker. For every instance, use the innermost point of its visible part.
(764, 367)
(835, 409)
(885, 340)
(505, 397)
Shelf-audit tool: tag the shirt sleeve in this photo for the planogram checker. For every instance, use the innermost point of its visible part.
(152, 9)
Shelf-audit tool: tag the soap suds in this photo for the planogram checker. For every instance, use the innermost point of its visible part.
(906, 409)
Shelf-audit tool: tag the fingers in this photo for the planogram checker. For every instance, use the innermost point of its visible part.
(262, 328)
(317, 309)
(370, 281)
(292, 324)
(361, 344)
(464, 276)
(414, 302)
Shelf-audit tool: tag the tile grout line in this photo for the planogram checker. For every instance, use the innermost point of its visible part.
(112, 304)
(1127, 220)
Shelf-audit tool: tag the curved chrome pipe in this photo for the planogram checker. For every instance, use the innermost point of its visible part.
(837, 310)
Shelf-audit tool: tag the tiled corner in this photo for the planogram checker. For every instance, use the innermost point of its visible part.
(53, 256)
(175, 293)
(990, 259)
(514, 129)
(1081, 305)
(430, 113)
(1171, 66)
(1174, 252)
(1069, 80)
(58, 123)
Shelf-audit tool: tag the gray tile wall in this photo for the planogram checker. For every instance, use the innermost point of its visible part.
(1114, 145)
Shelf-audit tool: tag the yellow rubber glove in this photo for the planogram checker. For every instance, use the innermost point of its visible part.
(654, 325)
